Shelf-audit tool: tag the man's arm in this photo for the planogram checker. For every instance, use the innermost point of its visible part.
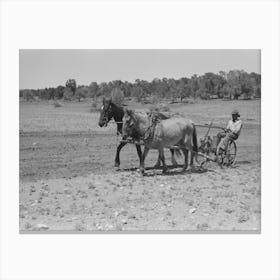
(238, 127)
(228, 125)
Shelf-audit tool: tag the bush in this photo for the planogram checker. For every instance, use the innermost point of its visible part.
(189, 101)
(28, 95)
(146, 101)
(81, 93)
(164, 108)
(56, 104)
(160, 108)
(68, 94)
(154, 99)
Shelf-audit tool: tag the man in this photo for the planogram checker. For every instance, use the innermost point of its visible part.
(233, 129)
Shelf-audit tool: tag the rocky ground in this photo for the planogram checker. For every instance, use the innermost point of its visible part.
(68, 182)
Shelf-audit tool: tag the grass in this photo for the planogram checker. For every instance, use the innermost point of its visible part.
(76, 116)
(94, 107)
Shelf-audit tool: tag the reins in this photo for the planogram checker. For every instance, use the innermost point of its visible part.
(148, 133)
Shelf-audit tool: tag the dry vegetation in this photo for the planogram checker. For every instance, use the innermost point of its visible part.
(67, 179)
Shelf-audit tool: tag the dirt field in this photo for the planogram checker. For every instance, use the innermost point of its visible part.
(68, 182)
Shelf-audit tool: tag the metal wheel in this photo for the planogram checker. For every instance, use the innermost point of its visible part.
(220, 154)
(226, 158)
(230, 153)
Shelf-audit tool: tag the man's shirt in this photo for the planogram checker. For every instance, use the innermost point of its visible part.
(235, 127)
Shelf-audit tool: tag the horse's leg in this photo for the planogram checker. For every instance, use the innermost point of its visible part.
(142, 167)
(161, 154)
(139, 152)
(173, 160)
(186, 153)
(192, 156)
(157, 165)
(117, 158)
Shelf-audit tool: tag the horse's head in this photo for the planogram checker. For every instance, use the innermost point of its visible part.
(129, 124)
(106, 112)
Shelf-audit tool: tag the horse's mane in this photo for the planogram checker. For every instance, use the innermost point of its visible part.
(140, 114)
(121, 106)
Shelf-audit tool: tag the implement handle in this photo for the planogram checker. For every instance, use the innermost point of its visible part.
(210, 125)
(207, 125)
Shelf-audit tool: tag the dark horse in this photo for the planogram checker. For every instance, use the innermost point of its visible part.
(111, 110)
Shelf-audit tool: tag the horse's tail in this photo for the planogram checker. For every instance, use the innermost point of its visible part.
(195, 149)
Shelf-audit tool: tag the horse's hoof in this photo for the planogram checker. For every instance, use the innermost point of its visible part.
(157, 166)
(165, 170)
(192, 167)
(185, 168)
(142, 171)
(117, 165)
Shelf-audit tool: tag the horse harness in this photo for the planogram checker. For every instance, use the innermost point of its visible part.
(154, 120)
(106, 115)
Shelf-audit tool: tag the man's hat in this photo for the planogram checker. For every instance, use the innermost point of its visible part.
(235, 112)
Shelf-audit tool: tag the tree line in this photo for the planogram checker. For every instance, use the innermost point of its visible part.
(234, 84)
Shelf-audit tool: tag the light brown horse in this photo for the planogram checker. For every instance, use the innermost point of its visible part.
(167, 133)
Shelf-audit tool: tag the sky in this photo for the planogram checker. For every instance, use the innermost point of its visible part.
(51, 68)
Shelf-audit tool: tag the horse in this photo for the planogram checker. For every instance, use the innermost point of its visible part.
(166, 133)
(111, 110)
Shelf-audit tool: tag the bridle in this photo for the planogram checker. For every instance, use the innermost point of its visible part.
(107, 115)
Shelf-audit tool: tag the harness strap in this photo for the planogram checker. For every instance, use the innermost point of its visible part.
(149, 133)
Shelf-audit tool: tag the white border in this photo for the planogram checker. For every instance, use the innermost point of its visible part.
(200, 24)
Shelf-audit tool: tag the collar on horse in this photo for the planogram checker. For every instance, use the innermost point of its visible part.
(154, 119)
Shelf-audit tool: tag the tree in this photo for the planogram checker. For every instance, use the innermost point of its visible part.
(172, 92)
(51, 92)
(71, 84)
(209, 83)
(27, 95)
(202, 94)
(138, 93)
(68, 94)
(58, 92)
(219, 82)
(126, 87)
(46, 93)
(256, 84)
(184, 88)
(81, 92)
(231, 85)
(160, 88)
(194, 85)
(226, 91)
(145, 88)
(117, 96)
(233, 79)
(246, 83)
(93, 90)
(104, 89)
(156, 87)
